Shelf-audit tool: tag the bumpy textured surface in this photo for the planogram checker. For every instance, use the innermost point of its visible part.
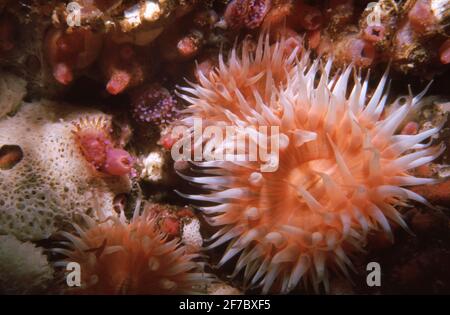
(53, 181)
(24, 269)
(12, 90)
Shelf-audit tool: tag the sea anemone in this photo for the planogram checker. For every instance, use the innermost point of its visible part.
(123, 66)
(341, 166)
(94, 140)
(121, 257)
(189, 45)
(246, 13)
(68, 52)
(118, 162)
(153, 165)
(374, 33)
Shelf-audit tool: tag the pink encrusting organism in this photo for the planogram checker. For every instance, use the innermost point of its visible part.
(69, 52)
(94, 140)
(342, 170)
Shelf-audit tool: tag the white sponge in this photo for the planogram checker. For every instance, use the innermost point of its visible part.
(191, 234)
(24, 269)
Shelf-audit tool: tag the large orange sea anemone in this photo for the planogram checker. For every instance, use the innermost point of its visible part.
(117, 257)
(342, 167)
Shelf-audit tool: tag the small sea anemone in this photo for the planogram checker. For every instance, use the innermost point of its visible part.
(94, 139)
(374, 33)
(357, 51)
(68, 52)
(246, 13)
(189, 45)
(341, 166)
(123, 66)
(121, 257)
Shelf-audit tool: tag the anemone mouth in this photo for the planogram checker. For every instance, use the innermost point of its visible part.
(374, 33)
(126, 162)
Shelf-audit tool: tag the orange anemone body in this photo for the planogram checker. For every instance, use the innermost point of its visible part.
(117, 257)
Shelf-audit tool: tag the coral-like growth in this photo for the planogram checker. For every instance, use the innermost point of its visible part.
(118, 162)
(341, 165)
(93, 137)
(153, 104)
(374, 33)
(358, 51)
(118, 257)
(189, 45)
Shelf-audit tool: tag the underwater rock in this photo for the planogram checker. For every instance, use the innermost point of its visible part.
(12, 91)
